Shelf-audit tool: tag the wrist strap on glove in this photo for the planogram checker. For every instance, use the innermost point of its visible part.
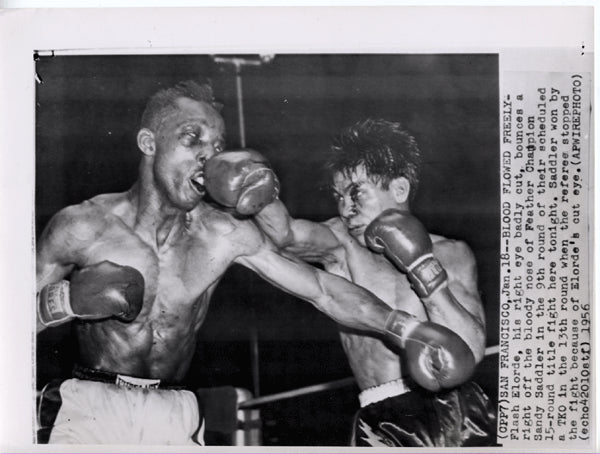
(399, 325)
(54, 304)
(427, 275)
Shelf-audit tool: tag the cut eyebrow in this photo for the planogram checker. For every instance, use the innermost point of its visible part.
(354, 185)
(349, 187)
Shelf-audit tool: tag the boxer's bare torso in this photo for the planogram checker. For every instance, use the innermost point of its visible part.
(181, 265)
(372, 362)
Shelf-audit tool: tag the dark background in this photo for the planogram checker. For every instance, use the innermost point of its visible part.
(87, 116)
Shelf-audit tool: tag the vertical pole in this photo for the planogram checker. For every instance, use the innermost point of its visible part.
(239, 63)
(240, 103)
(254, 354)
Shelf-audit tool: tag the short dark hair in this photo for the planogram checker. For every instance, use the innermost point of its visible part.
(385, 148)
(164, 101)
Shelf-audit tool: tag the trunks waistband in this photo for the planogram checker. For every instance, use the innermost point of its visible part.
(125, 381)
(380, 392)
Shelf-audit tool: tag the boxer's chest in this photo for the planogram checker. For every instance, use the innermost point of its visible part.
(179, 272)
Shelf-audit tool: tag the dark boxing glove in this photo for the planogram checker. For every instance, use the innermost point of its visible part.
(242, 180)
(405, 242)
(99, 291)
(436, 357)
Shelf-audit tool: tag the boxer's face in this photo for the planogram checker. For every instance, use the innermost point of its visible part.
(360, 200)
(185, 139)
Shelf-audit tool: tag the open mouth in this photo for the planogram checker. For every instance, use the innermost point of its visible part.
(197, 182)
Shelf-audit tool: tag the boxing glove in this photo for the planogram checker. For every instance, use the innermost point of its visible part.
(99, 291)
(242, 180)
(405, 242)
(436, 357)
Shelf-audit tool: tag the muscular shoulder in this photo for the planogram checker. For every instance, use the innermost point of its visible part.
(70, 232)
(87, 220)
(456, 256)
(241, 236)
(323, 242)
(75, 223)
(335, 224)
(339, 230)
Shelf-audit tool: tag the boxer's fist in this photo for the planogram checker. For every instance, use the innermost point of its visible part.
(242, 180)
(98, 291)
(107, 289)
(436, 357)
(406, 243)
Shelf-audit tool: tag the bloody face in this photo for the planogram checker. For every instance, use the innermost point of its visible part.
(360, 200)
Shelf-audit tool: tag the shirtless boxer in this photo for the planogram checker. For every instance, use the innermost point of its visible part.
(142, 266)
(376, 243)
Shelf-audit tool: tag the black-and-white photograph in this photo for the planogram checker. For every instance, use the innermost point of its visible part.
(303, 229)
(267, 249)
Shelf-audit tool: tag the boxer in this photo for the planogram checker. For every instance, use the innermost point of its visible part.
(412, 391)
(135, 272)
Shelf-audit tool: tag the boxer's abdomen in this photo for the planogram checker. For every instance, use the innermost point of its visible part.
(160, 346)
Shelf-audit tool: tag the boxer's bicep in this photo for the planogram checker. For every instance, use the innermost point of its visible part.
(48, 272)
(304, 238)
(59, 247)
(313, 240)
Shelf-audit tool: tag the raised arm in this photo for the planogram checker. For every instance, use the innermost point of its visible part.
(444, 277)
(459, 306)
(243, 181)
(311, 241)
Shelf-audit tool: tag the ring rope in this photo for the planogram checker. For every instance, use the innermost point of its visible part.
(253, 403)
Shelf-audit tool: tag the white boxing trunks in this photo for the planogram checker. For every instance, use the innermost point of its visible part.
(384, 391)
(134, 411)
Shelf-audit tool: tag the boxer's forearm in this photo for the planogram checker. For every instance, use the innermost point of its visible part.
(338, 298)
(404, 240)
(350, 305)
(444, 308)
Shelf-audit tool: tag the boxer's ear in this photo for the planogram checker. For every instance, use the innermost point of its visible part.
(400, 188)
(145, 141)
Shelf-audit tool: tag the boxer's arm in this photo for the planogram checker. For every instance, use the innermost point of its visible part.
(243, 181)
(94, 291)
(443, 277)
(312, 241)
(55, 254)
(437, 356)
(459, 306)
(338, 298)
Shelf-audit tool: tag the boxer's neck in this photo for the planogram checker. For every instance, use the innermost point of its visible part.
(155, 219)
